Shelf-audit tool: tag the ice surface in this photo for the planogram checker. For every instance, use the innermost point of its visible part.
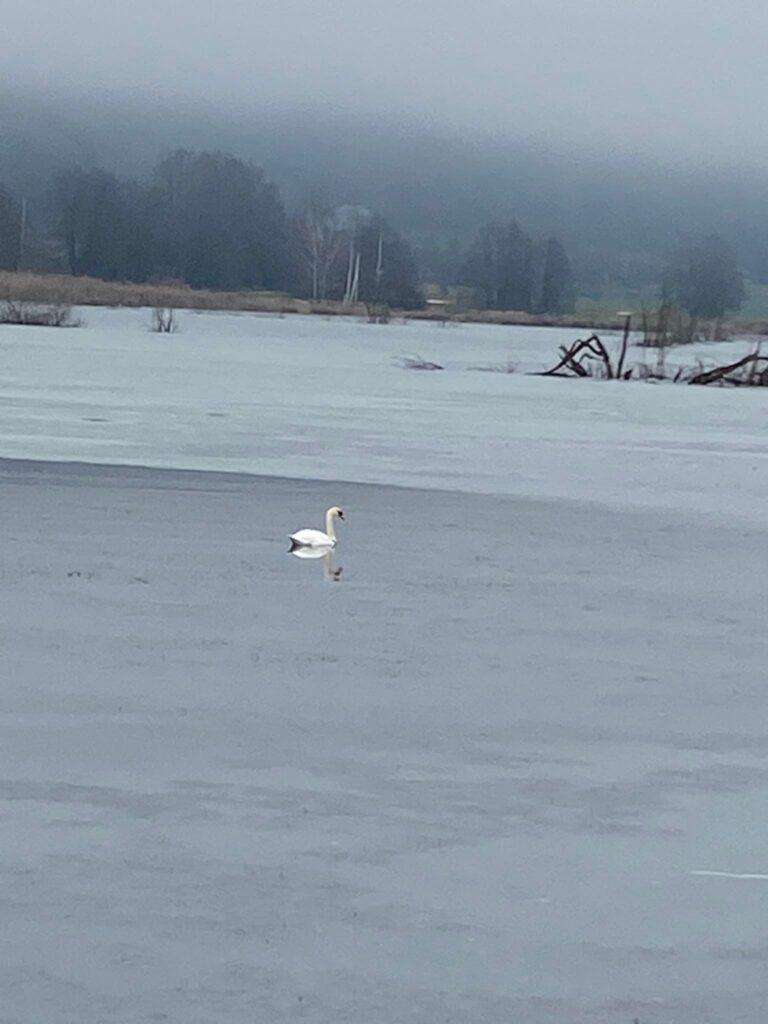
(511, 767)
(324, 399)
(474, 781)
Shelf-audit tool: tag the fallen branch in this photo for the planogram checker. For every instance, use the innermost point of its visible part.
(581, 353)
(755, 377)
(569, 359)
(417, 363)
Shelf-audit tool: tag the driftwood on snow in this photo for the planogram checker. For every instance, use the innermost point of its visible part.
(578, 359)
(750, 371)
(418, 363)
(588, 357)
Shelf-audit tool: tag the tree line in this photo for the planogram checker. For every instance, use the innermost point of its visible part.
(213, 220)
(510, 270)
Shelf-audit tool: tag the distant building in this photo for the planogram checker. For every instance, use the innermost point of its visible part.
(440, 309)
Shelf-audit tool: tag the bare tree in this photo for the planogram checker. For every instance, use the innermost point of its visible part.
(320, 243)
(353, 275)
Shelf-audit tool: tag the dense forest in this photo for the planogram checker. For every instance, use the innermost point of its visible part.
(213, 220)
(380, 216)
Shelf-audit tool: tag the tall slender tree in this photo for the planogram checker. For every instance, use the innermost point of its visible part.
(319, 241)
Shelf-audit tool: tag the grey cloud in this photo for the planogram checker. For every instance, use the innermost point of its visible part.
(677, 77)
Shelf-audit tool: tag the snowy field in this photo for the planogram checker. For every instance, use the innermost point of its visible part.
(324, 399)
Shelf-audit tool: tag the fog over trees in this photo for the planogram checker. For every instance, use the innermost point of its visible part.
(234, 204)
(605, 127)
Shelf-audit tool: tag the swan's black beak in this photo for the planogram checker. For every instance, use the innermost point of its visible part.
(341, 515)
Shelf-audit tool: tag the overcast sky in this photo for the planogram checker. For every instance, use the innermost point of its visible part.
(673, 76)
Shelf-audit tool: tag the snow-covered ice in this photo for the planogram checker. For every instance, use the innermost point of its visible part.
(324, 399)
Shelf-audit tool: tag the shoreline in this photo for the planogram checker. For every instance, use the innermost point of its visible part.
(28, 286)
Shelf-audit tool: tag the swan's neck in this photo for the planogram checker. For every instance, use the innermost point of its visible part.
(329, 526)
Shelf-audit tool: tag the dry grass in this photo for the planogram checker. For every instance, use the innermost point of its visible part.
(516, 317)
(90, 291)
(37, 314)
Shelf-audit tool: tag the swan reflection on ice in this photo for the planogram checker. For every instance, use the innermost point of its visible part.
(330, 571)
(316, 544)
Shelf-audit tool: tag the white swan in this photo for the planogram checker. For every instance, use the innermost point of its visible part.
(316, 538)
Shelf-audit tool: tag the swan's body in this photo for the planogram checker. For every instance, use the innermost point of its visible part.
(316, 538)
(306, 551)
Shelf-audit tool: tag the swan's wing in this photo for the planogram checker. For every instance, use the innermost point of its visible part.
(312, 538)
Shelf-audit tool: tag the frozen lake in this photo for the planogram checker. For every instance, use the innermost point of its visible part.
(512, 767)
(520, 775)
(324, 399)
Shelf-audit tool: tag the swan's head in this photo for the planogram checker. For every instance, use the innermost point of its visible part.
(336, 513)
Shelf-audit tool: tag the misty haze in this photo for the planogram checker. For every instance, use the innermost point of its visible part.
(384, 492)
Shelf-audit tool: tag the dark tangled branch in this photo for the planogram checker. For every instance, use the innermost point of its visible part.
(750, 371)
(576, 359)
